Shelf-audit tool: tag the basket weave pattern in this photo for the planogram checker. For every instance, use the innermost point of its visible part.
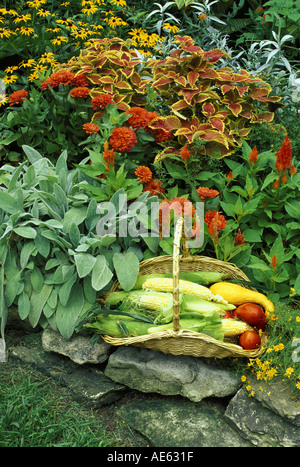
(179, 341)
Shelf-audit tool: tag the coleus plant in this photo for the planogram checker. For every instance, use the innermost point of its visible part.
(111, 68)
(197, 100)
(215, 105)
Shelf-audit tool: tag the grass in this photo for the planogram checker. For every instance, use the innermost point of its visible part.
(35, 411)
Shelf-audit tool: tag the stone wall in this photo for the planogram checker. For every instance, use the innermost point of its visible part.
(179, 400)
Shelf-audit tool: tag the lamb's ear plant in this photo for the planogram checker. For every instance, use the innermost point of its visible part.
(55, 263)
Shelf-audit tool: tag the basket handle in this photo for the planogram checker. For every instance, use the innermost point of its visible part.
(178, 237)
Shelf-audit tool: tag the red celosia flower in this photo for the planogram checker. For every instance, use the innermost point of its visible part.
(185, 153)
(253, 156)
(239, 238)
(123, 139)
(284, 179)
(101, 101)
(181, 207)
(276, 184)
(274, 261)
(143, 173)
(293, 170)
(81, 91)
(215, 222)
(91, 127)
(139, 118)
(108, 156)
(284, 156)
(230, 176)
(17, 97)
(154, 186)
(205, 192)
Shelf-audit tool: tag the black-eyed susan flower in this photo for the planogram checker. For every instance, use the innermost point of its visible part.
(26, 31)
(43, 13)
(27, 63)
(89, 8)
(4, 32)
(59, 40)
(10, 79)
(3, 99)
(24, 18)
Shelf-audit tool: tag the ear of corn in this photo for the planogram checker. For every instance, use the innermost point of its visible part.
(234, 327)
(199, 277)
(186, 287)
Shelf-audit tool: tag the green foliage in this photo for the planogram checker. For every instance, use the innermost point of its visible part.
(54, 264)
(267, 215)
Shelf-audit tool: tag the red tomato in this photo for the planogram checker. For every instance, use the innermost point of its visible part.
(252, 314)
(250, 340)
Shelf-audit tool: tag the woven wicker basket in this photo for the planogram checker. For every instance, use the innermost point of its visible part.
(177, 341)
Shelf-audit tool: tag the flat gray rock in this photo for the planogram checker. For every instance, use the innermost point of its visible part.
(261, 426)
(78, 348)
(176, 422)
(87, 384)
(151, 371)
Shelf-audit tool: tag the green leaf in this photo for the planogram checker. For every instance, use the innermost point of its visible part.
(23, 305)
(176, 171)
(37, 303)
(42, 244)
(26, 252)
(101, 274)
(74, 234)
(65, 290)
(32, 154)
(127, 268)
(67, 315)
(73, 216)
(9, 204)
(84, 263)
(37, 279)
(293, 209)
(26, 232)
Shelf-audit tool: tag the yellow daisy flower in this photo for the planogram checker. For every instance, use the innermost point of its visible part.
(118, 2)
(89, 9)
(10, 79)
(24, 18)
(27, 63)
(25, 31)
(4, 33)
(3, 99)
(44, 13)
(59, 40)
(11, 69)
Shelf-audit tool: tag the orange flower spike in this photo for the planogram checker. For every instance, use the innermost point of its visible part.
(143, 173)
(230, 175)
(239, 239)
(274, 262)
(253, 156)
(293, 170)
(185, 153)
(108, 156)
(284, 156)
(215, 222)
(205, 192)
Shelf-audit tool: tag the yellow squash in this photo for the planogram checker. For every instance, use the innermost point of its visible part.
(237, 295)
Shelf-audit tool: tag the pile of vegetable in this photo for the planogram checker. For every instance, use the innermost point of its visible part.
(208, 305)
